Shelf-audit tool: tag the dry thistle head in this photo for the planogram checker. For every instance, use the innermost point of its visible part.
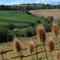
(51, 45)
(31, 47)
(58, 55)
(55, 29)
(42, 35)
(17, 45)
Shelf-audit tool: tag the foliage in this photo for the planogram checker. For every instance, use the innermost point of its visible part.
(5, 35)
(58, 22)
(11, 26)
(21, 21)
(29, 33)
(47, 24)
(27, 7)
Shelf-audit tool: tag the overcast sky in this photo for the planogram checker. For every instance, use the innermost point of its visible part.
(11, 2)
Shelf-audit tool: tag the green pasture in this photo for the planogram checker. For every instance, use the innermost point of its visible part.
(19, 18)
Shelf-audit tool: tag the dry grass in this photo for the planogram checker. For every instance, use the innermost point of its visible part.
(47, 12)
(31, 47)
(17, 45)
(9, 55)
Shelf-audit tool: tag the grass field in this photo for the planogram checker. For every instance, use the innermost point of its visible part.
(47, 12)
(22, 19)
(19, 18)
(25, 44)
(16, 16)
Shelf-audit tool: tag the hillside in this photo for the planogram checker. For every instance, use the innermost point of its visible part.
(47, 12)
(20, 19)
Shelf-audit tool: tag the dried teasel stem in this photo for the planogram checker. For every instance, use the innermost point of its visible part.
(36, 53)
(45, 51)
(51, 47)
(31, 49)
(18, 48)
(55, 29)
(41, 36)
(58, 55)
(40, 31)
(2, 55)
(43, 39)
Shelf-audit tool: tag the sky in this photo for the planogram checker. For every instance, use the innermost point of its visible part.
(11, 2)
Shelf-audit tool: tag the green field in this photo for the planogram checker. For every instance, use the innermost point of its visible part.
(19, 18)
(16, 17)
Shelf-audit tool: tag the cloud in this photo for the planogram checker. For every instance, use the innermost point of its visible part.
(11, 2)
(41, 1)
(55, 0)
(7, 2)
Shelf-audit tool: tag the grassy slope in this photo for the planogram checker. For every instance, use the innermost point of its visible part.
(19, 18)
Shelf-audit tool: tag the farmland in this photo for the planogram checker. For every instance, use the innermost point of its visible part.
(47, 12)
(19, 18)
(22, 19)
(16, 17)
(13, 55)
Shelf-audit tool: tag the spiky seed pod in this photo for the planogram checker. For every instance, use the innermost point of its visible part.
(51, 45)
(31, 47)
(42, 35)
(55, 29)
(17, 45)
(40, 31)
(58, 55)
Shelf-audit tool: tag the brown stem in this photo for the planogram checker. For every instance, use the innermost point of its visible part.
(32, 56)
(52, 55)
(45, 51)
(36, 53)
(20, 55)
(2, 57)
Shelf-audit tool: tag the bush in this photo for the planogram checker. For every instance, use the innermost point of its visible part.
(11, 26)
(47, 22)
(5, 35)
(29, 33)
(58, 21)
(51, 18)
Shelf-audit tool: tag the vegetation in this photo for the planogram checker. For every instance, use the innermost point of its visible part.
(58, 22)
(21, 21)
(27, 7)
(5, 35)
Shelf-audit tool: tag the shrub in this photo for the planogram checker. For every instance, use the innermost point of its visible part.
(51, 18)
(29, 33)
(11, 26)
(5, 35)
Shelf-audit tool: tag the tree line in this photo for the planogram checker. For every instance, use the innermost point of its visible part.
(27, 7)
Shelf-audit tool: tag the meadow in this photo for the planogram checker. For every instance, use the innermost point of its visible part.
(18, 18)
(23, 22)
